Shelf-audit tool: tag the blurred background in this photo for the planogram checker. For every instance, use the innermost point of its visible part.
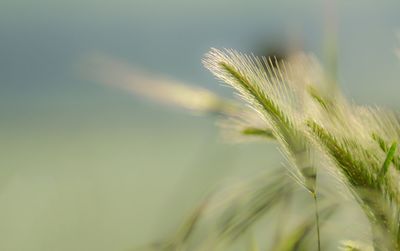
(89, 167)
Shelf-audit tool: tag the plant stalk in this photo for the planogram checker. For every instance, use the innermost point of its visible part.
(317, 220)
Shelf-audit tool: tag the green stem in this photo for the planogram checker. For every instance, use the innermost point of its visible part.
(317, 220)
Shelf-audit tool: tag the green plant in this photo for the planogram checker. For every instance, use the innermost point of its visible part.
(361, 142)
(294, 104)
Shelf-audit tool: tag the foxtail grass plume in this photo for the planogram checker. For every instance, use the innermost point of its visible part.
(293, 103)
